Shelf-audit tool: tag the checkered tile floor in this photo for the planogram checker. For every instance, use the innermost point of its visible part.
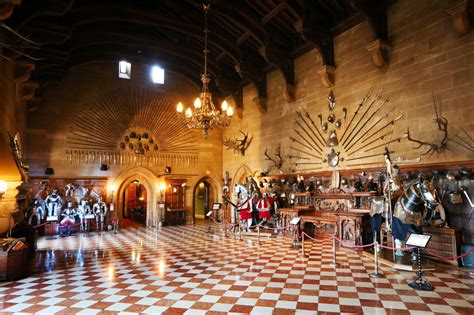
(183, 269)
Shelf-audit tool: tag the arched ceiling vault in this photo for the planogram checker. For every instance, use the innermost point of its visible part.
(247, 38)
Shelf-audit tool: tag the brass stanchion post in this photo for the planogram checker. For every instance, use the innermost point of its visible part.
(334, 250)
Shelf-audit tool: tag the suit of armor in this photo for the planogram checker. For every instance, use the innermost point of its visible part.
(37, 211)
(53, 203)
(68, 216)
(82, 210)
(100, 212)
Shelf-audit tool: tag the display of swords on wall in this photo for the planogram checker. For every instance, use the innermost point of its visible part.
(337, 138)
(100, 131)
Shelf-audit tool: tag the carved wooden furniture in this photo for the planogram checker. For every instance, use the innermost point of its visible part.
(321, 221)
(304, 201)
(354, 227)
(286, 214)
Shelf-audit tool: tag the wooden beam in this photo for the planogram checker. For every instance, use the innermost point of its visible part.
(270, 15)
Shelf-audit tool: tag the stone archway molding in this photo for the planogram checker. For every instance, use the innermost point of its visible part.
(149, 180)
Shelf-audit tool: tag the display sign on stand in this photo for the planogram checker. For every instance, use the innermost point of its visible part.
(295, 224)
(52, 218)
(419, 241)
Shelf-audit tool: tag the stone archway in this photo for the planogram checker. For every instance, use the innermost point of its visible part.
(215, 189)
(149, 181)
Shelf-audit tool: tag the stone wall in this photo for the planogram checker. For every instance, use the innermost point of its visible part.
(427, 56)
(48, 128)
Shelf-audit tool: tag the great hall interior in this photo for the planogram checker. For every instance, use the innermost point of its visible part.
(224, 156)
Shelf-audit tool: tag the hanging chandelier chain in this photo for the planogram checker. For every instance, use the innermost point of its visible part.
(206, 32)
(205, 116)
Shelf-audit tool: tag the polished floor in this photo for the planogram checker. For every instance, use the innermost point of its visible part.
(183, 269)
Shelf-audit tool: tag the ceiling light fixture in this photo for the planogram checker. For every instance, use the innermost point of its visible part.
(205, 116)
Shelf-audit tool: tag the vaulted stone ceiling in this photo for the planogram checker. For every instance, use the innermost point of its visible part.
(247, 38)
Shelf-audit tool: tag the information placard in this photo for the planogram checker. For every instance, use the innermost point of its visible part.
(216, 206)
(209, 213)
(90, 216)
(295, 221)
(418, 240)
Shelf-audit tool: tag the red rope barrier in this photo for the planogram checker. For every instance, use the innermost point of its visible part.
(317, 240)
(449, 258)
(353, 246)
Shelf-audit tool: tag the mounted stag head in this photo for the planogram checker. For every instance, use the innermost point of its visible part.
(239, 146)
(434, 147)
(277, 161)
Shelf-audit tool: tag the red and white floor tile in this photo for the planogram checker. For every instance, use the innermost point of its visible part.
(183, 269)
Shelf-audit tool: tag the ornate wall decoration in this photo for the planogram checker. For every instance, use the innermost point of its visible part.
(129, 127)
(336, 138)
(238, 145)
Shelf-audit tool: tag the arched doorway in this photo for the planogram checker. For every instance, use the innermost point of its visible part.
(149, 187)
(207, 191)
(135, 202)
(201, 200)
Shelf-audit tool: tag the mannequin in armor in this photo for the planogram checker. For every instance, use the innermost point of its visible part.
(417, 203)
(68, 216)
(100, 212)
(53, 203)
(38, 211)
(82, 210)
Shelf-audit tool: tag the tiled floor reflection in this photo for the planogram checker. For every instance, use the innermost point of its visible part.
(183, 269)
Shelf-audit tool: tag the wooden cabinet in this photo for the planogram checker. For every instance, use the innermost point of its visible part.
(13, 264)
(175, 216)
(444, 242)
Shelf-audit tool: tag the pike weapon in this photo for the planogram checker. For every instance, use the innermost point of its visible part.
(366, 96)
(436, 110)
(321, 140)
(299, 142)
(306, 132)
(375, 98)
(304, 163)
(297, 157)
(304, 152)
(366, 156)
(371, 128)
(372, 142)
(392, 122)
(361, 164)
(463, 144)
(310, 169)
(470, 138)
(310, 129)
(388, 142)
(366, 122)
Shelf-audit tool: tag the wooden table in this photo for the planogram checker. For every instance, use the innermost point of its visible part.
(321, 220)
(349, 226)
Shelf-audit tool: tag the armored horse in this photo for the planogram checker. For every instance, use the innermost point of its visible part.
(244, 204)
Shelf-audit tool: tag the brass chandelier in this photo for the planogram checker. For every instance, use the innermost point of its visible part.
(205, 116)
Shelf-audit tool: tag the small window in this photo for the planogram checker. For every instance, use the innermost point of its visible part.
(125, 70)
(157, 75)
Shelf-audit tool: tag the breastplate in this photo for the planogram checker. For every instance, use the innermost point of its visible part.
(410, 200)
